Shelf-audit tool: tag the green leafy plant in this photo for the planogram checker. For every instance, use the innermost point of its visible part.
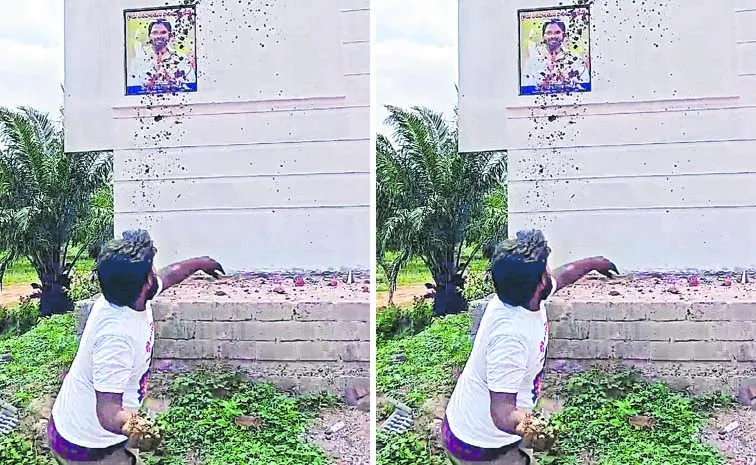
(18, 319)
(717, 401)
(479, 286)
(38, 357)
(430, 362)
(596, 424)
(17, 450)
(396, 323)
(47, 200)
(434, 201)
(405, 449)
(202, 421)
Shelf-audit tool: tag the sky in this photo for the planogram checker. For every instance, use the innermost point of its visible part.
(31, 54)
(415, 54)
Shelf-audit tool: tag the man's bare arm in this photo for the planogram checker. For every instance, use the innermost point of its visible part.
(504, 412)
(110, 412)
(569, 273)
(177, 272)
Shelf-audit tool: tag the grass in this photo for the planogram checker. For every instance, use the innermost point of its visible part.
(415, 272)
(433, 357)
(592, 428)
(39, 356)
(22, 272)
(594, 423)
(200, 423)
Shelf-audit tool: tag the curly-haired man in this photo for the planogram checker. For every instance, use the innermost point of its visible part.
(107, 382)
(502, 378)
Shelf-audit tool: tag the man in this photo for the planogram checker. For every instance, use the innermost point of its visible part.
(501, 382)
(107, 382)
(552, 67)
(161, 70)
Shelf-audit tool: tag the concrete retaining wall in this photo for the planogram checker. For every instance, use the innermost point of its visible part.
(702, 347)
(300, 346)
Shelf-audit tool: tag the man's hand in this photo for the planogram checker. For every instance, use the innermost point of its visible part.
(143, 434)
(568, 274)
(175, 273)
(536, 433)
(605, 267)
(212, 267)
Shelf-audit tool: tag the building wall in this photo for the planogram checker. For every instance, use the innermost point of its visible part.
(267, 165)
(701, 346)
(310, 347)
(654, 167)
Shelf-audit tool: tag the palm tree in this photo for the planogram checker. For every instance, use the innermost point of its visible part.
(46, 201)
(437, 198)
(388, 196)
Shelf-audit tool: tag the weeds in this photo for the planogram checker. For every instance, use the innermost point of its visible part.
(17, 450)
(595, 424)
(397, 323)
(38, 357)
(201, 422)
(430, 361)
(406, 449)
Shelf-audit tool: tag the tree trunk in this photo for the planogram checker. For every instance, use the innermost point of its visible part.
(391, 291)
(54, 299)
(449, 299)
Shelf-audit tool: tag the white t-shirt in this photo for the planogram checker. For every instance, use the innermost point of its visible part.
(508, 356)
(114, 356)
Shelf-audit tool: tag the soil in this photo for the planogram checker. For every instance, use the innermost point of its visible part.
(645, 287)
(739, 446)
(317, 286)
(351, 444)
(11, 295)
(404, 296)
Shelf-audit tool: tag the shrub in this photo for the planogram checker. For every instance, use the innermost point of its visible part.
(396, 323)
(479, 286)
(19, 319)
(595, 423)
(432, 359)
(37, 359)
(84, 285)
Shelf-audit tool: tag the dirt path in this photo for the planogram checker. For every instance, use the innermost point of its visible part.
(739, 446)
(403, 296)
(351, 444)
(10, 295)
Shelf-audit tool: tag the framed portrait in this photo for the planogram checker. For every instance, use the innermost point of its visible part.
(160, 50)
(555, 53)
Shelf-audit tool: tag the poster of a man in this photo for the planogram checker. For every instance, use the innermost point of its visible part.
(160, 50)
(555, 50)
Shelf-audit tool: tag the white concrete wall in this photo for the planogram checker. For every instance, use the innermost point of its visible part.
(267, 165)
(655, 168)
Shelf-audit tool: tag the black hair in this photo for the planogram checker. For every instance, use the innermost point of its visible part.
(518, 265)
(160, 21)
(558, 22)
(124, 267)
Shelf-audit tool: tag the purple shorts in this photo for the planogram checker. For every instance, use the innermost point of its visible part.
(74, 453)
(469, 453)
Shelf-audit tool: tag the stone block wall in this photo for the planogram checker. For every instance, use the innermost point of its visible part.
(698, 346)
(300, 346)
